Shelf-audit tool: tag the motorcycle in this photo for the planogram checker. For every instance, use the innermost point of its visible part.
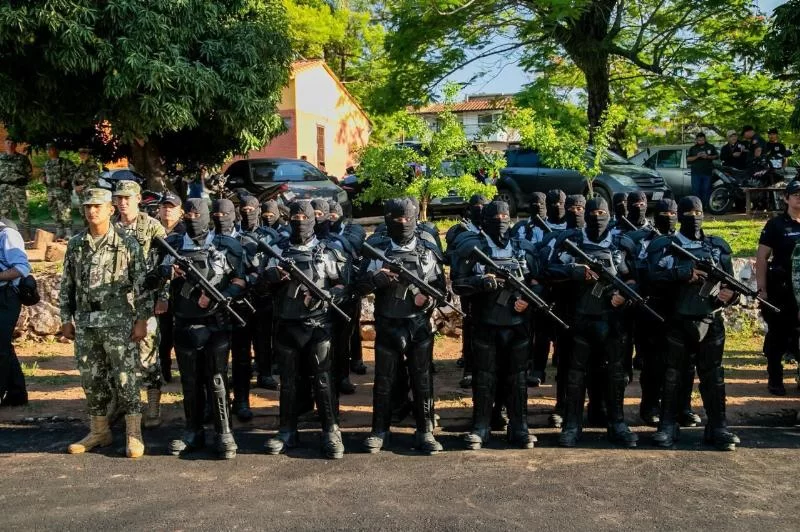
(728, 184)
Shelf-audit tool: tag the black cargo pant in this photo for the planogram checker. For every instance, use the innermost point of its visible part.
(782, 329)
(12, 381)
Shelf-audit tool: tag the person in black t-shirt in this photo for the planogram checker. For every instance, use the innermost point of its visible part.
(773, 278)
(734, 153)
(775, 151)
(701, 159)
(755, 144)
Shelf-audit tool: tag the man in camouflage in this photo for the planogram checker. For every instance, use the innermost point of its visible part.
(15, 174)
(103, 311)
(144, 229)
(88, 172)
(58, 173)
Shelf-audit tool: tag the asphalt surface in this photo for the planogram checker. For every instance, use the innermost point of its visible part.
(596, 486)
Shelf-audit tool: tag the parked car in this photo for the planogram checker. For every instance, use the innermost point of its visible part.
(670, 162)
(304, 180)
(525, 173)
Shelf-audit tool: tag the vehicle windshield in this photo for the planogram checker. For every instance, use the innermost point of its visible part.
(610, 158)
(272, 171)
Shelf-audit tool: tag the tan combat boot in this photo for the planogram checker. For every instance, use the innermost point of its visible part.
(152, 417)
(134, 444)
(99, 436)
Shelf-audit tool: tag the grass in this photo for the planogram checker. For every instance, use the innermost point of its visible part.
(29, 370)
(742, 235)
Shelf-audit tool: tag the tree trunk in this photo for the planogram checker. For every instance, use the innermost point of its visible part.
(146, 159)
(423, 208)
(598, 88)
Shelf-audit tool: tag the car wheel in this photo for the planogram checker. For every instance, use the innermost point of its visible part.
(506, 195)
(721, 200)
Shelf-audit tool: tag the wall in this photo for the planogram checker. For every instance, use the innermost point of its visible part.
(322, 101)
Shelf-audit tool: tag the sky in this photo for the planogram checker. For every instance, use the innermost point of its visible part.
(505, 77)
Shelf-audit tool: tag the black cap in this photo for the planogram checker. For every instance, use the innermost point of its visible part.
(170, 198)
(700, 135)
(792, 187)
(773, 130)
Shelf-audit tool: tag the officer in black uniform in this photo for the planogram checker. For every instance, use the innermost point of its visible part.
(774, 282)
(597, 332)
(775, 150)
(303, 332)
(271, 218)
(342, 329)
(470, 223)
(202, 334)
(734, 153)
(695, 330)
(351, 236)
(620, 204)
(501, 340)
(402, 323)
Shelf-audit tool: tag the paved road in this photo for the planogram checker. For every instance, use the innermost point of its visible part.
(595, 487)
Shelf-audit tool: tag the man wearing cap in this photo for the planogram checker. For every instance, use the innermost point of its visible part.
(701, 158)
(103, 310)
(87, 174)
(170, 214)
(58, 172)
(15, 174)
(773, 279)
(144, 229)
(775, 150)
(734, 153)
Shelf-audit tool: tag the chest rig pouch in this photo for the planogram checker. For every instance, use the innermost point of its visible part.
(212, 264)
(594, 301)
(398, 300)
(694, 301)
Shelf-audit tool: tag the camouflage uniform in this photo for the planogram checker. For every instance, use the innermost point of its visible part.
(101, 292)
(15, 174)
(144, 229)
(58, 174)
(87, 174)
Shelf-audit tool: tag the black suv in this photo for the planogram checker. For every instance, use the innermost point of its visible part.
(525, 173)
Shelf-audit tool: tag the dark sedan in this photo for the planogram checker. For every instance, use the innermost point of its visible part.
(303, 179)
(525, 173)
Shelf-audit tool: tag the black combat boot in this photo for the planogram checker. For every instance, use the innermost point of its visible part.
(517, 401)
(482, 398)
(223, 441)
(573, 409)
(618, 430)
(712, 389)
(668, 428)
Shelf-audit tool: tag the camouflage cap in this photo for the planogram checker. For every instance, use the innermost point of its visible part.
(96, 196)
(127, 188)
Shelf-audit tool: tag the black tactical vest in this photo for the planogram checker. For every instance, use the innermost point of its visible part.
(397, 301)
(289, 300)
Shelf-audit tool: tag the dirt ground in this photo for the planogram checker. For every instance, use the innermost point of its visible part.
(54, 389)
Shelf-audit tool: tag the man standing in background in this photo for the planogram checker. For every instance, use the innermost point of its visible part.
(58, 172)
(15, 174)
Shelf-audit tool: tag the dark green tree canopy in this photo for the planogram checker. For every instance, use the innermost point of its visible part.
(191, 80)
(783, 49)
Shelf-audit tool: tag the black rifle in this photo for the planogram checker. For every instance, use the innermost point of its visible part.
(716, 275)
(197, 278)
(607, 277)
(297, 274)
(545, 228)
(629, 223)
(409, 277)
(508, 277)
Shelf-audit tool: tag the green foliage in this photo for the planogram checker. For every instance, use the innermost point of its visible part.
(198, 79)
(441, 165)
(783, 50)
(566, 148)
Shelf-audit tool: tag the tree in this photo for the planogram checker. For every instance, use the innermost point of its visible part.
(662, 38)
(438, 167)
(783, 50)
(192, 81)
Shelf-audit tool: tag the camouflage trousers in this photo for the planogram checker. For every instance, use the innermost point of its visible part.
(14, 197)
(149, 363)
(107, 363)
(59, 202)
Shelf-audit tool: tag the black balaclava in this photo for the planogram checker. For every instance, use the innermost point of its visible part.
(538, 205)
(575, 221)
(596, 225)
(302, 230)
(401, 233)
(666, 224)
(637, 215)
(322, 226)
(495, 228)
(223, 225)
(250, 220)
(476, 204)
(271, 206)
(620, 201)
(197, 228)
(335, 208)
(691, 226)
(556, 213)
